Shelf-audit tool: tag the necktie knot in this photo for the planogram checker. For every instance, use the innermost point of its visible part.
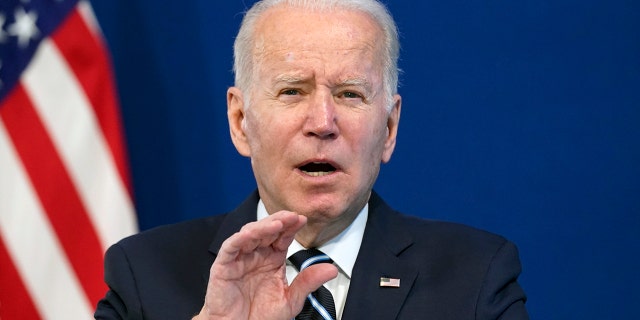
(305, 258)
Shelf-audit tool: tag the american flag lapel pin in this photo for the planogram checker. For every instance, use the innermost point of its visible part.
(389, 282)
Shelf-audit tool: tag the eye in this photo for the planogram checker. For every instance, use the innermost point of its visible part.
(290, 92)
(351, 95)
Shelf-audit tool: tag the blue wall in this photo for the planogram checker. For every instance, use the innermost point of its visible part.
(519, 117)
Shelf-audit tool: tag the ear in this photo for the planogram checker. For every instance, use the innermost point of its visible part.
(392, 129)
(236, 117)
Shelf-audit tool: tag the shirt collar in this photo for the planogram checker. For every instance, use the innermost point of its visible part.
(343, 248)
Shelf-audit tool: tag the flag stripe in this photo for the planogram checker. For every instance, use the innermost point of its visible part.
(61, 203)
(66, 112)
(65, 192)
(88, 59)
(12, 289)
(32, 243)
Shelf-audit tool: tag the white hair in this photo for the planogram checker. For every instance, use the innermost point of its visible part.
(243, 65)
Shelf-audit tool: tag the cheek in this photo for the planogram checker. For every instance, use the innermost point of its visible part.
(264, 134)
(253, 128)
(370, 141)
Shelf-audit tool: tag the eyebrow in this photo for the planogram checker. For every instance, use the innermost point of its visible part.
(289, 78)
(358, 81)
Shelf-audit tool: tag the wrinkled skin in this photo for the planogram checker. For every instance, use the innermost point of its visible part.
(317, 98)
(247, 280)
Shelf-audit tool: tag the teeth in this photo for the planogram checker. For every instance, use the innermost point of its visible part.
(317, 173)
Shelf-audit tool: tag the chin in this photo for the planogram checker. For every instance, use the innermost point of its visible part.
(326, 212)
(326, 205)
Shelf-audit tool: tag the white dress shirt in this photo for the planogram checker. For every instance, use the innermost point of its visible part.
(342, 249)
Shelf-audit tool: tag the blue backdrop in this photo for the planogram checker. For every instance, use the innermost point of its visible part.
(519, 117)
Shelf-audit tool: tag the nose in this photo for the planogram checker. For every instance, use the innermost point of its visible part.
(321, 119)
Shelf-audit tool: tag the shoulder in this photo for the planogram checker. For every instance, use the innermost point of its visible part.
(436, 231)
(450, 247)
(196, 232)
(435, 235)
(188, 239)
(470, 257)
(455, 246)
(165, 252)
(166, 245)
(166, 263)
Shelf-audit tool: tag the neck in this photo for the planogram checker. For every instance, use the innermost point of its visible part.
(316, 233)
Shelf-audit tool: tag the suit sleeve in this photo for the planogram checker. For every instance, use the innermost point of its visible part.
(501, 297)
(121, 301)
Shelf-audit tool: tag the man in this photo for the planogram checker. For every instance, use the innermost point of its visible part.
(315, 108)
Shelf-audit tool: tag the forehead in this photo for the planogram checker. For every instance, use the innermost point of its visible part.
(290, 34)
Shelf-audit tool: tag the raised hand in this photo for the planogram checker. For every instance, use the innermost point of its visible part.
(247, 280)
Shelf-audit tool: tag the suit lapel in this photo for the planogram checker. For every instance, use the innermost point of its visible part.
(380, 256)
(232, 223)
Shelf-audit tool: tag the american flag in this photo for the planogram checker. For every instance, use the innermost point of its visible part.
(65, 195)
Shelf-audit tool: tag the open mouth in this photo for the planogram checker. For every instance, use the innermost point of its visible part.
(317, 169)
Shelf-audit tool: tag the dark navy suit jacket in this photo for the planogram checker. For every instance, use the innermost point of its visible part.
(446, 270)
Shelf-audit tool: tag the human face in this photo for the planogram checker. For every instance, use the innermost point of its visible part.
(317, 127)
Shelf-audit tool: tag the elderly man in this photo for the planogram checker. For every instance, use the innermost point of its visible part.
(315, 108)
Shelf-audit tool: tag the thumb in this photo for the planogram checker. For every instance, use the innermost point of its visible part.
(308, 281)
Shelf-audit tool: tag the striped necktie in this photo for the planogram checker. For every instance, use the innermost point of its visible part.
(319, 304)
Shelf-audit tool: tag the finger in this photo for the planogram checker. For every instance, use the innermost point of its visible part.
(308, 281)
(246, 240)
(289, 220)
(280, 240)
(289, 233)
(291, 223)
(259, 234)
